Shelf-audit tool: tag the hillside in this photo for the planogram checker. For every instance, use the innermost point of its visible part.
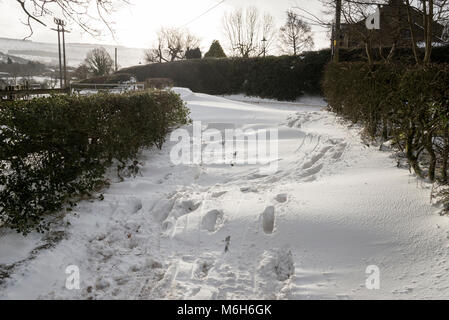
(76, 52)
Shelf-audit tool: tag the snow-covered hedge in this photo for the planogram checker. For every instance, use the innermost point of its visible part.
(407, 104)
(57, 148)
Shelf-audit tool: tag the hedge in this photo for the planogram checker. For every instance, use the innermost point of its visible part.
(282, 78)
(110, 79)
(409, 105)
(57, 148)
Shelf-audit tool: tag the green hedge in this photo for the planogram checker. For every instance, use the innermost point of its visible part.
(401, 55)
(282, 78)
(110, 79)
(54, 149)
(407, 104)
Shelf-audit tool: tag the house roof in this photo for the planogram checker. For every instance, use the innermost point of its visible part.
(393, 3)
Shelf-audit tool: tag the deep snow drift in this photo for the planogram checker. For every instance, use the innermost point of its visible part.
(309, 230)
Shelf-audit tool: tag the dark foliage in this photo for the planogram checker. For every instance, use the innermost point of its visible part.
(23, 69)
(159, 83)
(215, 51)
(193, 54)
(283, 78)
(408, 104)
(55, 149)
(110, 79)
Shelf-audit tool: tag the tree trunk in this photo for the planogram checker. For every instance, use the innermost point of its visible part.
(392, 52)
(412, 32)
(433, 157)
(429, 32)
(368, 50)
(336, 43)
(445, 155)
(294, 47)
(385, 131)
(410, 150)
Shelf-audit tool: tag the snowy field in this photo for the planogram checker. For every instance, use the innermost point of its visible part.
(309, 230)
(76, 53)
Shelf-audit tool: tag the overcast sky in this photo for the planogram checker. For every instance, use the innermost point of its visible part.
(137, 24)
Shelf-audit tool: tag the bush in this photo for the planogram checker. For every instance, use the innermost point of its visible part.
(282, 78)
(110, 79)
(401, 55)
(215, 51)
(409, 104)
(159, 83)
(24, 69)
(54, 149)
(193, 54)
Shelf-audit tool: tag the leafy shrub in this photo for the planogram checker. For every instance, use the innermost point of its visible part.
(401, 55)
(215, 50)
(159, 83)
(24, 69)
(409, 104)
(282, 78)
(54, 149)
(194, 54)
(110, 79)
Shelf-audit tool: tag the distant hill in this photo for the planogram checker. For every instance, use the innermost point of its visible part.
(76, 52)
(4, 58)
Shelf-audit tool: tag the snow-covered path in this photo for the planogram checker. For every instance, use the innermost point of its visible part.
(334, 207)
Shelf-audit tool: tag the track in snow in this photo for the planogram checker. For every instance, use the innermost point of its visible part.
(309, 230)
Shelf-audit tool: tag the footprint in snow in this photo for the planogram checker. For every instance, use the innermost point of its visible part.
(281, 198)
(162, 209)
(168, 226)
(202, 268)
(190, 206)
(275, 267)
(248, 190)
(218, 194)
(135, 204)
(268, 220)
(212, 220)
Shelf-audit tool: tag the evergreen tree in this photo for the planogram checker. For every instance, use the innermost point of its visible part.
(215, 51)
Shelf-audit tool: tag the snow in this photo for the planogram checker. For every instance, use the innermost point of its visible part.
(76, 53)
(309, 230)
(303, 100)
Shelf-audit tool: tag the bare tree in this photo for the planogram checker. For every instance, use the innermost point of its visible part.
(296, 35)
(81, 72)
(268, 32)
(350, 12)
(99, 62)
(245, 30)
(428, 11)
(171, 45)
(434, 11)
(77, 11)
(157, 53)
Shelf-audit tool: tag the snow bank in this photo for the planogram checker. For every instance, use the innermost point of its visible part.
(309, 230)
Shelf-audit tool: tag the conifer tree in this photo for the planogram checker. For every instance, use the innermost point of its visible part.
(215, 51)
